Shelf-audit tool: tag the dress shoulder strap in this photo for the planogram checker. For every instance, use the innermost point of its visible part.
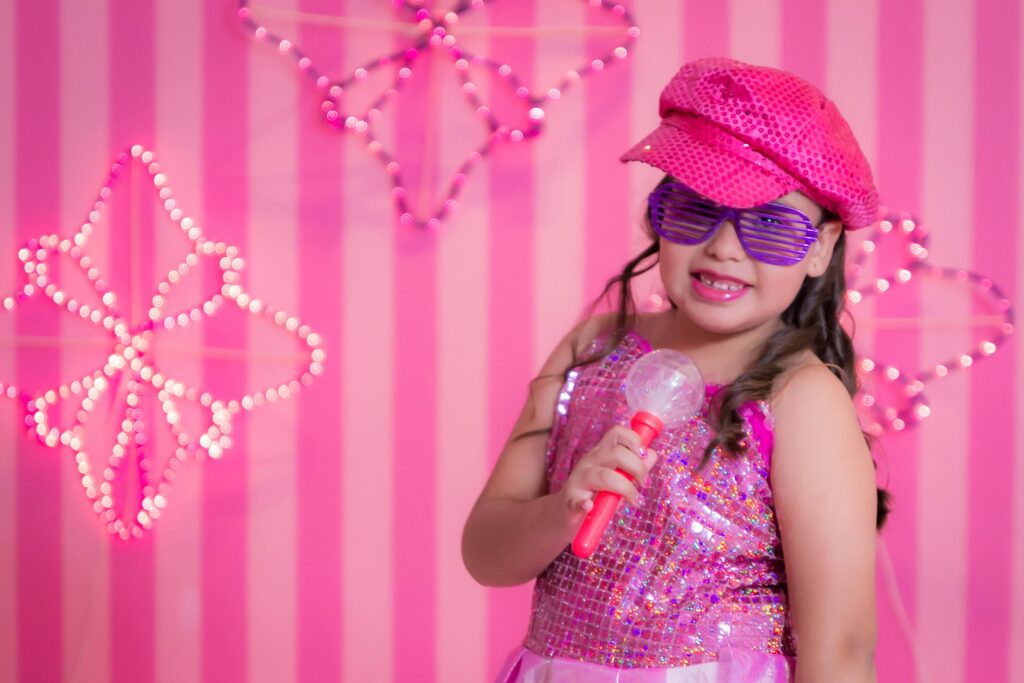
(759, 416)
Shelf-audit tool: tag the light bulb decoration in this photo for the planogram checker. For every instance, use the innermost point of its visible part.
(433, 31)
(905, 404)
(129, 362)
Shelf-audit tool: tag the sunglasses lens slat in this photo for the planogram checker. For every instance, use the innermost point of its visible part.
(777, 234)
(795, 242)
(679, 216)
(774, 253)
(772, 233)
(679, 231)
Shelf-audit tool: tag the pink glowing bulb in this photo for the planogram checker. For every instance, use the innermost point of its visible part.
(663, 389)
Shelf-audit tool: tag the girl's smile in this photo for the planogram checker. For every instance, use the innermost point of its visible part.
(718, 287)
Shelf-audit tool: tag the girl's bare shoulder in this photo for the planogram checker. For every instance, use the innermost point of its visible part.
(802, 368)
(808, 397)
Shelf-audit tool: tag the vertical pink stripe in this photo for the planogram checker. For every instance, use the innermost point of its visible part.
(852, 68)
(37, 469)
(943, 515)
(368, 510)
(898, 173)
(415, 449)
(993, 419)
(755, 28)
(415, 399)
(224, 216)
(320, 423)
(606, 212)
(131, 122)
(462, 389)
(366, 366)
(509, 316)
(273, 256)
(85, 80)
(177, 112)
(804, 36)
(559, 157)
(462, 426)
(10, 413)
(1017, 348)
(705, 29)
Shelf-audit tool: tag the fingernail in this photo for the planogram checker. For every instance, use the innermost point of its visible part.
(643, 452)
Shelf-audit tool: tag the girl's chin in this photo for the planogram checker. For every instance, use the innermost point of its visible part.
(717, 319)
(718, 324)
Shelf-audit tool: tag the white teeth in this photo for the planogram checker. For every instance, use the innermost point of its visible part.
(725, 286)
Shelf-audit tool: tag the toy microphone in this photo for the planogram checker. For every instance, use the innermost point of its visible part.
(663, 389)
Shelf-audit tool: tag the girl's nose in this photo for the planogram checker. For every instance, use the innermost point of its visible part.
(725, 244)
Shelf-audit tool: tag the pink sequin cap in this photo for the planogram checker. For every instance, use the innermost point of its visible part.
(744, 135)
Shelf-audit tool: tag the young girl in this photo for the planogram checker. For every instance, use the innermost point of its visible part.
(746, 541)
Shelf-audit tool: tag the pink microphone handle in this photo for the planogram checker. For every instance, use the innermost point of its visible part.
(588, 537)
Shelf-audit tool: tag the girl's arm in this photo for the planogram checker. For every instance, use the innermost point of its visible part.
(823, 482)
(516, 528)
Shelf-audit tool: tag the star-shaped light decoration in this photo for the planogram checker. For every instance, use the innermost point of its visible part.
(434, 38)
(108, 415)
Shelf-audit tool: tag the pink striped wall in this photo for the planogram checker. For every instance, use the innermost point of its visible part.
(37, 550)
(8, 411)
(177, 567)
(942, 529)
(325, 544)
(86, 587)
(318, 534)
(900, 88)
(996, 162)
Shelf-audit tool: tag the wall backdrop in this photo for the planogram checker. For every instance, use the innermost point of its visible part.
(323, 543)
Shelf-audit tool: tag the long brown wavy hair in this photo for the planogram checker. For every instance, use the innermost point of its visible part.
(812, 321)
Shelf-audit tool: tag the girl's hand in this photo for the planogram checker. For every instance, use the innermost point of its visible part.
(621, 448)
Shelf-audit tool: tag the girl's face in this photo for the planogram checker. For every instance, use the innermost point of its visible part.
(723, 290)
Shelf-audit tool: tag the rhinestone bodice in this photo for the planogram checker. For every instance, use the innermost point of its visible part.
(694, 567)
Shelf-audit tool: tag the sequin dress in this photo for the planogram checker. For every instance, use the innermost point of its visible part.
(687, 586)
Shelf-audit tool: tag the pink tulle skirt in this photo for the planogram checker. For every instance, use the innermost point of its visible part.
(733, 666)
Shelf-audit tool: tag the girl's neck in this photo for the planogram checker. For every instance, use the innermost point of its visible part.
(721, 358)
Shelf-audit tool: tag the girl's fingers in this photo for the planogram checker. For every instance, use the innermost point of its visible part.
(610, 480)
(652, 457)
(596, 471)
(581, 502)
(637, 467)
(624, 436)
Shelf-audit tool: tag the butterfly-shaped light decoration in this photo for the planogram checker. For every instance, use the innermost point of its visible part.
(417, 38)
(107, 413)
(891, 398)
